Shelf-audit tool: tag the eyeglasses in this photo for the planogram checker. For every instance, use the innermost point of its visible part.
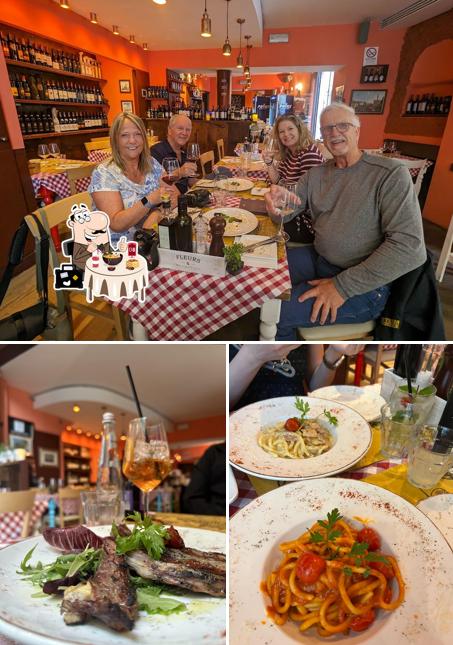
(341, 127)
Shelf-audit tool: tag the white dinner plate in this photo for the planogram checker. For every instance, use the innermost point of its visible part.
(424, 557)
(232, 486)
(352, 438)
(37, 621)
(247, 224)
(366, 402)
(439, 509)
(235, 184)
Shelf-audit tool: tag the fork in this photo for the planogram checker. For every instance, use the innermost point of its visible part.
(252, 247)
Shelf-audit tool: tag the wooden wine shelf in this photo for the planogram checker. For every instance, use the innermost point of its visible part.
(52, 70)
(47, 135)
(66, 103)
(433, 116)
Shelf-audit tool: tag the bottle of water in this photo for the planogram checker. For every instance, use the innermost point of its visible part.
(109, 470)
(51, 508)
(201, 235)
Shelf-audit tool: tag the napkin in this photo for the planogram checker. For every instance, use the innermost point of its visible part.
(256, 206)
(263, 256)
(394, 479)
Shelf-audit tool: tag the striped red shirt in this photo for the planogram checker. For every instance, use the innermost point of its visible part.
(291, 169)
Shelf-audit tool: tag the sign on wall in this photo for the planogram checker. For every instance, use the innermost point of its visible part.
(370, 55)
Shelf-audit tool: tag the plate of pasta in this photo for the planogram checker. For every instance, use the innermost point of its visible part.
(341, 559)
(294, 438)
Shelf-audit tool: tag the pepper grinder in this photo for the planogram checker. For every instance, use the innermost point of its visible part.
(217, 226)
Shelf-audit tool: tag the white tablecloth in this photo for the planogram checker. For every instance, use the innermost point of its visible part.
(117, 284)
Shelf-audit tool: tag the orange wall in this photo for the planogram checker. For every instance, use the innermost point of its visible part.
(94, 446)
(114, 72)
(439, 203)
(208, 428)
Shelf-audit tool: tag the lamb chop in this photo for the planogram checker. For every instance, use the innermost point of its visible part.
(108, 595)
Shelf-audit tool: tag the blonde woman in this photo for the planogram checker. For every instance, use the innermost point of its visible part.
(296, 154)
(128, 186)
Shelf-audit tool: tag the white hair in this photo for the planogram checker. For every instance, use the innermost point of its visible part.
(174, 118)
(336, 105)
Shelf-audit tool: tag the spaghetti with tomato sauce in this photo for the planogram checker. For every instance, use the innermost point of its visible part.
(333, 577)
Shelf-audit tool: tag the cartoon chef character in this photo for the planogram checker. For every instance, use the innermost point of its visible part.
(90, 231)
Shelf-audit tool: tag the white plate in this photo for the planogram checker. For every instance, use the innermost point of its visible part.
(259, 191)
(37, 621)
(439, 509)
(366, 402)
(235, 184)
(232, 486)
(425, 559)
(352, 438)
(247, 224)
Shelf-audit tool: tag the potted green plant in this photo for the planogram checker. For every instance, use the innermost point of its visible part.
(233, 256)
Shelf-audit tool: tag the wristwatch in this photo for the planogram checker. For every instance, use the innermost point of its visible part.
(333, 366)
(145, 201)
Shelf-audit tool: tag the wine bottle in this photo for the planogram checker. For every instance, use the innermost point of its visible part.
(166, 227)
(409, 355)
(183, 226)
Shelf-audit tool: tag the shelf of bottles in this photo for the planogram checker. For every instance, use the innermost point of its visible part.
(155, 92)
(42, 76)
(76, 464)
(428, 105)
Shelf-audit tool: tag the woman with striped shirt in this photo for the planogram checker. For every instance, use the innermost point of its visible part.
(296, 154)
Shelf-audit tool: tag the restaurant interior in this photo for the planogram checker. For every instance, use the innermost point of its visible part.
(67, 69)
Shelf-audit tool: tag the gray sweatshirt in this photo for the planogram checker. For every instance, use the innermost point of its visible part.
(366, 220)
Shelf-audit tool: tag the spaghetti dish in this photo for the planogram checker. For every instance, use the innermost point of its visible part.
(297, 437)
(333, 577)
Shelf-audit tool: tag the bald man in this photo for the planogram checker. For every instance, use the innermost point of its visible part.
(178, 134)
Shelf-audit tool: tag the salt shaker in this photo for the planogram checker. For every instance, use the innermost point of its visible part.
(217, 226)
(201, 234)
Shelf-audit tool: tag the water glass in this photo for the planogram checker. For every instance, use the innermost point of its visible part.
(419, 405)
(396, 432)
(430, 456)
(101, 507)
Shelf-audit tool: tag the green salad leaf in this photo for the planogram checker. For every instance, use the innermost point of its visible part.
(154, 603)
(146, 534)
(84, 563)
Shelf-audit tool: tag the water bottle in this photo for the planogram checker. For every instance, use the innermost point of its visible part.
(52, 506)
(201, 235)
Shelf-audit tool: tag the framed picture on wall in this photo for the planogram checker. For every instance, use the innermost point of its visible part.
(339, 94)
(368, 101)
(374, 74)
(125, 87)
(47, 458)
(127, 106)
(144, 93)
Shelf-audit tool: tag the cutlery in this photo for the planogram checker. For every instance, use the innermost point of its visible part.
(252, 247)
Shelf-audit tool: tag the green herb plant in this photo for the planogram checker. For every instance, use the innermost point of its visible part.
(233, 255)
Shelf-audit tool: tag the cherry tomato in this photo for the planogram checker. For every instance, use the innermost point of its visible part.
(360, 623)
(292, 424)
(385, 569)
(309, 567)
(371, 538)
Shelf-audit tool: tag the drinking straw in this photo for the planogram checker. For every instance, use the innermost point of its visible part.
(134, 391)
(409, 407)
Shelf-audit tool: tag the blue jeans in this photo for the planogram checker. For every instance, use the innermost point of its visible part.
(305, 264)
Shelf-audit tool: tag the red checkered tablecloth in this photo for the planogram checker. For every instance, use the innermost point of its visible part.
(251, 174)
(11, 523)
(58, 183)
(98, 156)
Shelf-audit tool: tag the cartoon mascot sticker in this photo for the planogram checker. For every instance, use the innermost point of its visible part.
(97, 266)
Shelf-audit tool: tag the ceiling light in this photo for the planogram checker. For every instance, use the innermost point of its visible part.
(145, 46)
(247, 62)
(68, 428)
(88, 434)
(64, 4)
(115, 30)
(132, 40)
(96, 436)
(123, 437)
(79, 431)
(75, 408)
(206, 23)
(239, 60)
(93, 18)
(160, 1)
(226, 49)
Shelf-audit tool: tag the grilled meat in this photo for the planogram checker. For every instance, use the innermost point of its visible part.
(196, 571)
(108, 595)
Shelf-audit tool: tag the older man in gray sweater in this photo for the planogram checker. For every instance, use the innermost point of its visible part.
(368, 231)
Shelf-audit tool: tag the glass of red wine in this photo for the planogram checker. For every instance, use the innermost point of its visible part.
(171, 168)
(193, 154)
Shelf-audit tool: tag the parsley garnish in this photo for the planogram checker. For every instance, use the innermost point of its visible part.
(303, 408)
(146, 534)
(331, 418)
(347, 571)
(359, 554)
(330, 533)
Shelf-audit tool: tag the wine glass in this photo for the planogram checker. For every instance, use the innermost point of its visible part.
(285, 205)
(171, 167)
(270, 149)
(146, 460)
(43, 151)
(193, 154)
(54, 150)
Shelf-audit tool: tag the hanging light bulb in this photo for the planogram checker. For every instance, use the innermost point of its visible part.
(239, 59)
(93, 18)
(226, 49)
(145, 46)
(132, 39)
(206, 23)
(115, 30)
(247, 63)
(64, 4)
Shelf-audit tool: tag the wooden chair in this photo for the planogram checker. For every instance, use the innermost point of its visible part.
(421, 164)
(152, 140)
(353, 331)
(99, 139)
(74, 174)
(205, 159)
(376, 356)
(446, 255)
(54, 215)
(220, 149)
(97, 145)
(19, 501)
(373, 151)
(69, 493)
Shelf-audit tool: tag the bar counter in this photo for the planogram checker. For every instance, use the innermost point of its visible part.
(206, 133)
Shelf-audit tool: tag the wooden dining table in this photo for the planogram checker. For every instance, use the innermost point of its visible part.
(52, 176)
